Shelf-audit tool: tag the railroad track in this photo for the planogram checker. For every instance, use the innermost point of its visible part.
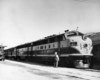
(93, 70)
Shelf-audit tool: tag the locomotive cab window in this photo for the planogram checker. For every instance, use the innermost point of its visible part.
(73, 43)
(74, 33)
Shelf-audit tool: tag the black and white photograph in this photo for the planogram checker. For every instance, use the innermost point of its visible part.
(49, 39)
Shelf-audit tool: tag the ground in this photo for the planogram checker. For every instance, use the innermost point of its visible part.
(12, 70)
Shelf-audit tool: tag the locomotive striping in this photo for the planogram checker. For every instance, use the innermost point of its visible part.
(64, 55)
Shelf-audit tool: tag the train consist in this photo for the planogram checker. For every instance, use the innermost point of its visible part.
(2, 57)
(73, 47)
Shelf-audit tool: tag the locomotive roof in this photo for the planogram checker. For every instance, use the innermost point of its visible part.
(45, 38)
(31, 43)
(56, 35)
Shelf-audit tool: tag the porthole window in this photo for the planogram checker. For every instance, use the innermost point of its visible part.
(53, 45)
(37, 48)
(45, 47)
(41, 47)
(49, 46)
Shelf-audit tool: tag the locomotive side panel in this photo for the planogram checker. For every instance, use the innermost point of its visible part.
(45, 52)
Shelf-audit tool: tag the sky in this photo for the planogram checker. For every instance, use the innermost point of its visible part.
(23, 21)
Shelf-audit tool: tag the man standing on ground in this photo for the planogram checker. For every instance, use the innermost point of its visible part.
(56, 60)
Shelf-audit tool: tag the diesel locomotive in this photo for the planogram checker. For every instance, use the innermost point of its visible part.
(73, 47)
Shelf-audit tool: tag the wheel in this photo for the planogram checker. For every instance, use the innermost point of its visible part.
(80, 64)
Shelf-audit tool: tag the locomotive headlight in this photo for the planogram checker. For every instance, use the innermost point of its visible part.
(85, 45)
(85, 48)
